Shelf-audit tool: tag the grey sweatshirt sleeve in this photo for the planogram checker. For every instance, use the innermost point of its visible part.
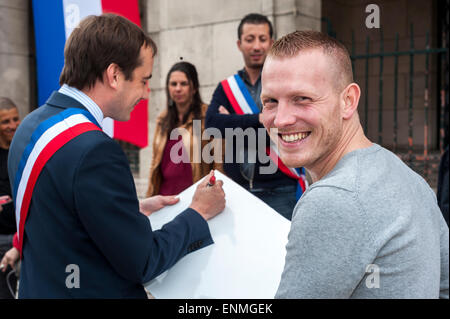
(327, 246)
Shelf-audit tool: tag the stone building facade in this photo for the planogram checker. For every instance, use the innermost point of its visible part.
(16, 54)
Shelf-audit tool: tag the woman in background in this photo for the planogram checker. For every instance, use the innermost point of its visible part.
(171, 174)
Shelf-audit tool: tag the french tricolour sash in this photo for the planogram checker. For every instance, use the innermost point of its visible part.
(45, 141)
(242, 103)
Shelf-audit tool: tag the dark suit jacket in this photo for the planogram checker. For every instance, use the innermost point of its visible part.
(84, 212)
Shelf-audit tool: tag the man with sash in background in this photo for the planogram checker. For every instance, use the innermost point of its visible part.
(82, 231)
(236, 104)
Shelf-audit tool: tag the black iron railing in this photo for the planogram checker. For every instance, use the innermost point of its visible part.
(411, 157)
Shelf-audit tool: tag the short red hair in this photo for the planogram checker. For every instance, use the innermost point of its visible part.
(295, 42)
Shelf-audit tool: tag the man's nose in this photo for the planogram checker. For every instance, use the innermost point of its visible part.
(257, 45)
(12, 125)
(285, 116)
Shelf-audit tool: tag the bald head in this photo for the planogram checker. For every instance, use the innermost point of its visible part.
(9, 121)
(6, 103)
(339, 62)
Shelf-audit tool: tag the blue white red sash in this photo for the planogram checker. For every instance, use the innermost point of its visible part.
(45, 141)
(242, 103)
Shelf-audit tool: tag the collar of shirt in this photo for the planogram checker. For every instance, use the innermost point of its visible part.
(254, 90)
(244, 76)
(87, 102)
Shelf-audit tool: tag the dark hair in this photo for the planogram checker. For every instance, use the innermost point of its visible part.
(99, 41)
(170, 121)
(254, 18)
(6, 103)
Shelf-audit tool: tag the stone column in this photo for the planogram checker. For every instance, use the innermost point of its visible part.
(15, 53)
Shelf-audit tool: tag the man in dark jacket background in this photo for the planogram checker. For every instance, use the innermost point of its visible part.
(443, 187)
(277, 189)
(9, 121)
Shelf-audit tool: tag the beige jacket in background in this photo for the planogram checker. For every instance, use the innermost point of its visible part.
(190, 142)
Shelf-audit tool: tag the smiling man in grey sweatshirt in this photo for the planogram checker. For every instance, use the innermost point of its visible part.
(368, 226)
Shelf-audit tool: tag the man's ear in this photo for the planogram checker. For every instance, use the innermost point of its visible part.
(350, 97)
(238, 43)
(112, 75)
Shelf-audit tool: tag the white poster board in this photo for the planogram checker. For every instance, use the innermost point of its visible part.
(246, 259)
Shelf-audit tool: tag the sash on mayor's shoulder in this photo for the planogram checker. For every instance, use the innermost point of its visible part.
(242, 103)
(46, 140)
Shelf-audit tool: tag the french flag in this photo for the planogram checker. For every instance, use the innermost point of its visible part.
(54, 20)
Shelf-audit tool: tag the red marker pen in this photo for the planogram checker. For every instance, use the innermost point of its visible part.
(212, 181)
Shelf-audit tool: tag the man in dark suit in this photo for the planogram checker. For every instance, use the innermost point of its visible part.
(85, 235)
